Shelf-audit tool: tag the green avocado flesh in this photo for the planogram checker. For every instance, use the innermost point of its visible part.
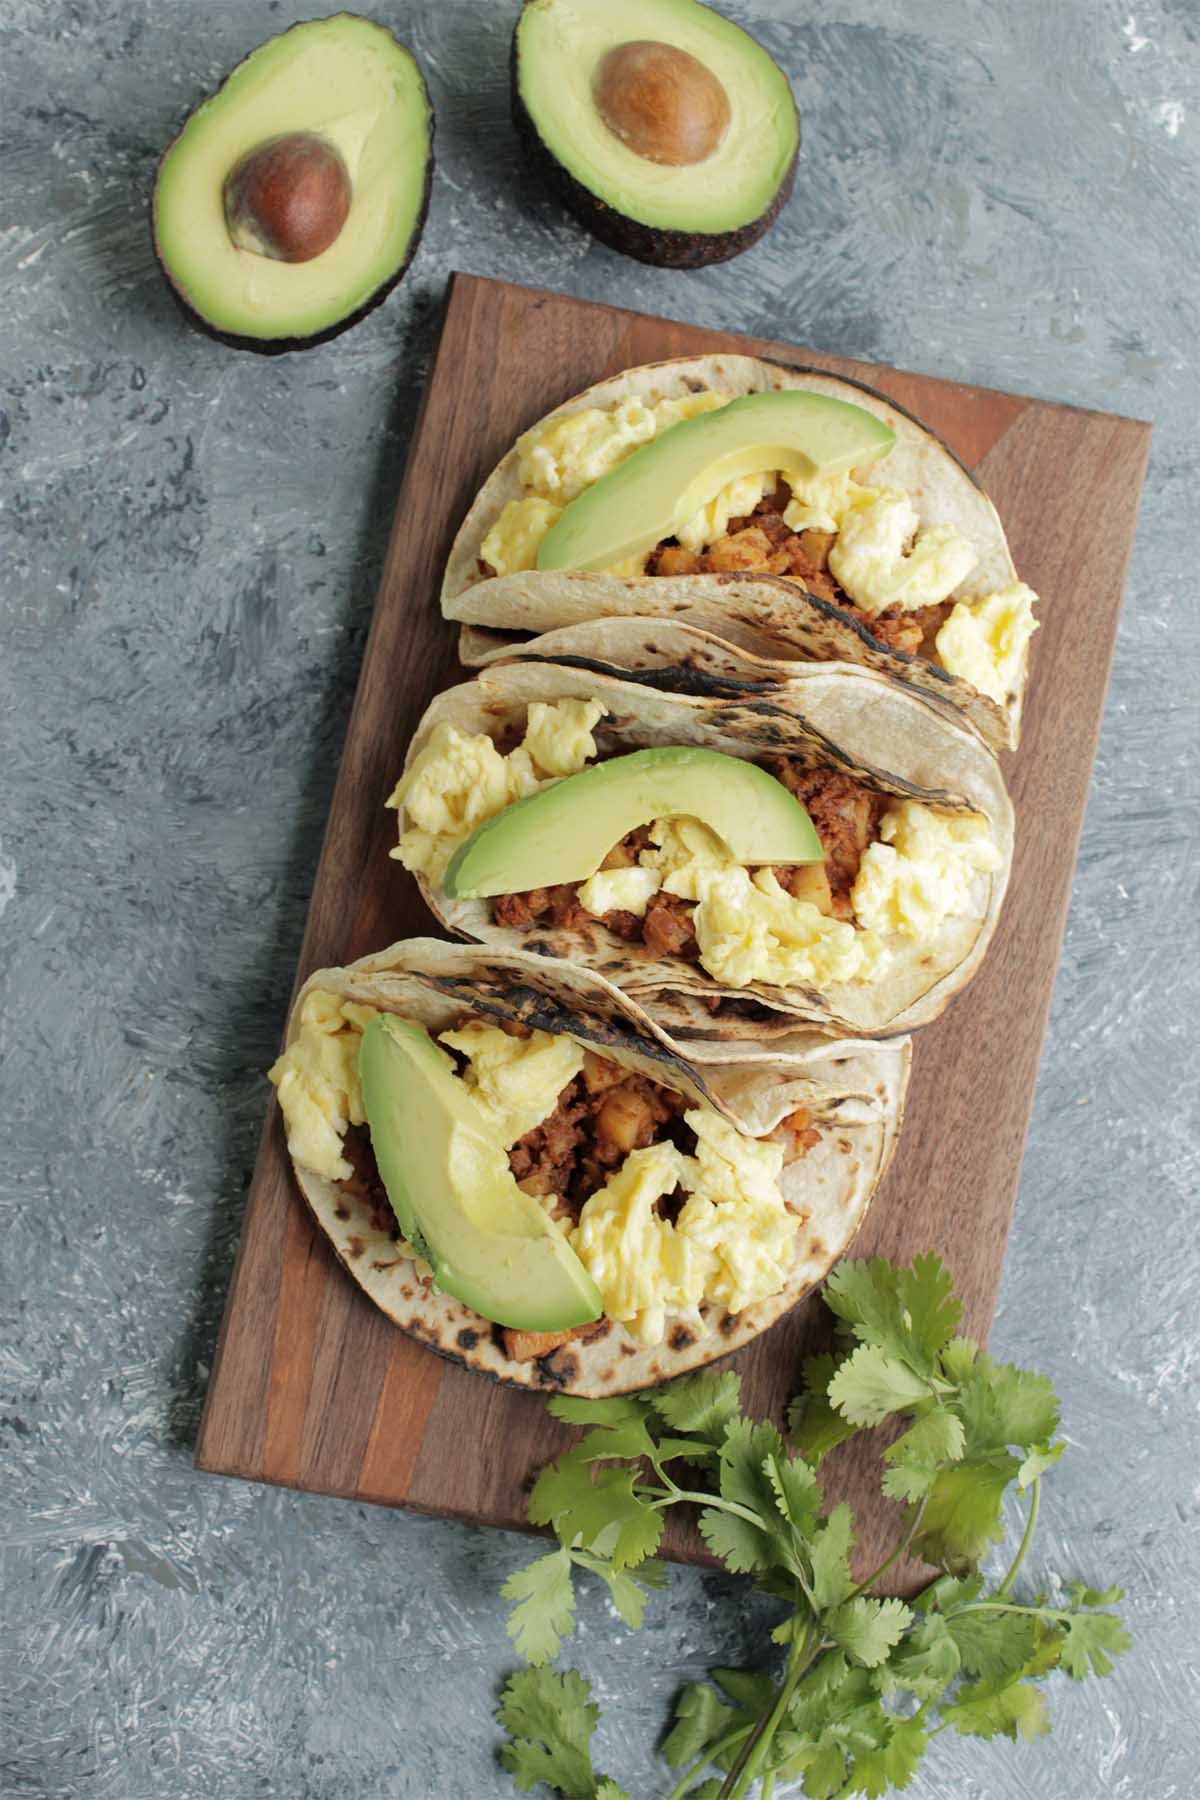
(648, 496)
(564, 832)
(348, 82)
(448, 1179)
(560, 45)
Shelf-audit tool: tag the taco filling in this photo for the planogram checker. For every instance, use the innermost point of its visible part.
(891, 869)
(856, 546)
(666, 1205)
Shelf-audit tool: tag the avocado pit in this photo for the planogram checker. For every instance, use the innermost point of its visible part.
(662, 102)
(288, 198)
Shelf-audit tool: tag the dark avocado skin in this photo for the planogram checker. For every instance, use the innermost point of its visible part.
(645, 243)
(282, 345)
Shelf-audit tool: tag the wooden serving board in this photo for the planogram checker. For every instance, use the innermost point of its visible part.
(312, 1385)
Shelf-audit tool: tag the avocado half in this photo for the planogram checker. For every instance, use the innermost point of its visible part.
(293, 199)
(668, 131)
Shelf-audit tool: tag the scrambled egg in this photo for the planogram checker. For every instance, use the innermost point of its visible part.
(985, 642)
(711, 522)
(317, 1080)
(514, 1081)
(459, 779)
(515, 538)
(619, 890)
(558, 460)
(872, 564)
(820, 502)
(751, 929)
(732, 1244)
(923, 869)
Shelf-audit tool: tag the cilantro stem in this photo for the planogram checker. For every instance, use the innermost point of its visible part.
(726, 1743)
(804, 1648)
(909, 1534)
(1034, 1501)
(768, 1786)
(729, 1506)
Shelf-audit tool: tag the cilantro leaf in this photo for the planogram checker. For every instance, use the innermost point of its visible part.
(545, 1606)
(929, 1306)
(867, 1629)
(989, 1709)
(576, 1410)
(891, 1764)
(937, 1437)
(703, 1404)
(958, 1359)
(550, 1723)
(814, 1427)
(863, 1295)
(743, 1472)
(625, 1440)
(830, 1558)
(797, 1494)
(962, 1511)
(638, 1536)
(1086, 1596)
(700, 1719)
(1090, 1642)
(747, 1688)
(997, 1645)
(627, 1591)
(1003, 1405)
(869, 1385)
(743, 1548)
(597, 1508)
(924, 1663)
(1040, 1458)
(910, 1314)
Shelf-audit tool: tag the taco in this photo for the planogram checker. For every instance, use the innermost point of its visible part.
(898, 562)
(681, 1201)
(827, 851)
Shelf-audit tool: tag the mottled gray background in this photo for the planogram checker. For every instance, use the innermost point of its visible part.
(190, 541)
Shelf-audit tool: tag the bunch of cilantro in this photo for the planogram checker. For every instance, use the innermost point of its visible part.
(866, 1682)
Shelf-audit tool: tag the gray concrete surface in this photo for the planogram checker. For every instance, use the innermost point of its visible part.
(189, 544)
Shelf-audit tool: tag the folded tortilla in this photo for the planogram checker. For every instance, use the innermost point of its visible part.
(854, 720)
(769, 615)
(854, 1091)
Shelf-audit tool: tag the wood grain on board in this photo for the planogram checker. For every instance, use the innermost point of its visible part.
(312, 1386)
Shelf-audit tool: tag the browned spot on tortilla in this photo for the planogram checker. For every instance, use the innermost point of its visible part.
(341, 1210)
(355, 1247)
(628, 1350)
(406, 1293)
(558, 1370)
(595, 1332)
(845, 1146)
(467, 1339)
(681, 1338)
(728, 1323)
(816, 1248)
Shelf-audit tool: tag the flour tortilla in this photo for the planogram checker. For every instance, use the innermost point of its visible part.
(853, 719)
(769, 615)
(854, 1090)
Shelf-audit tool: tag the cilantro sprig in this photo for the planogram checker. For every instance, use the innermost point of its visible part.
(867, 1681)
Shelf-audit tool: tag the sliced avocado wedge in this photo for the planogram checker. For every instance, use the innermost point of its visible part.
(564, 832)
(667, 130)
(649, 495)
(491, 1244)
(293, 199)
